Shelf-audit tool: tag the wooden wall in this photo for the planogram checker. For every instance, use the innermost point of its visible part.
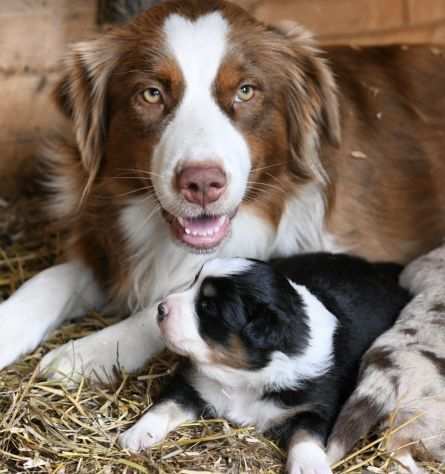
(34, 35)
(361, 21)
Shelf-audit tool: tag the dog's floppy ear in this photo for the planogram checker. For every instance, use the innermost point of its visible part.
(266, 330)
(312, 102)
(81, 96)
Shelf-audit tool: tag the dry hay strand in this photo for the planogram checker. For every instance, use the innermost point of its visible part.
(46, 427)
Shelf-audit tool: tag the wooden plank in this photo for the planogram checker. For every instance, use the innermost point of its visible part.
(26, 115)
(418, 35)
(425, 11)
(26, 103)
(36, 42)
(341, 16)
(32, 7)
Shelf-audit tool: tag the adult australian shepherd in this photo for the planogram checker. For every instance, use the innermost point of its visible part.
(198, 131)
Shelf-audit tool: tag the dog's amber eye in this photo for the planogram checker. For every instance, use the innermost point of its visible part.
(152, 95)
(245, 93)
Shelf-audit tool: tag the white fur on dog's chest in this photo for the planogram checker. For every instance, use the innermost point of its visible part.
(242, 406)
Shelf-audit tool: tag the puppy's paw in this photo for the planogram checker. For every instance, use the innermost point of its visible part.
(308, 458)
(155, 425)
(85, 357)
(406, 463)
(151, 429)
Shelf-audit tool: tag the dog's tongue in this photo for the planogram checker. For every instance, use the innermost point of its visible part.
(203, 232)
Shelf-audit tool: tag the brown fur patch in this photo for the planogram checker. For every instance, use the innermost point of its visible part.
(380, 358)
(388, 205)
(409, 332)
(438, 307)
(438, 362)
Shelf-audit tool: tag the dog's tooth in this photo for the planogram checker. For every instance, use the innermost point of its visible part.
(194, 233)
(181, 221)
(188, 231)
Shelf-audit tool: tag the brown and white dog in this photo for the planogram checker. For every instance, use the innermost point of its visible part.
(198, 131)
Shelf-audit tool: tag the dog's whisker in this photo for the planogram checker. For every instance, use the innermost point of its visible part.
(134, 191)
(140, 178)
(261, 168)
(138, 171)
(275, 178)
(265, 187)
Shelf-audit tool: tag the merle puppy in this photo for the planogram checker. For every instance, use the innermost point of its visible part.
(402, 376)
(276, 345)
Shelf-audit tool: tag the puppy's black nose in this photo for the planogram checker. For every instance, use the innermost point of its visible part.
(162, 312)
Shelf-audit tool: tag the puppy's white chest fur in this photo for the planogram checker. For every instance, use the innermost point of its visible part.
(241, 405)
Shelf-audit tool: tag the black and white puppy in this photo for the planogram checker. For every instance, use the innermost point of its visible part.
(276, 345)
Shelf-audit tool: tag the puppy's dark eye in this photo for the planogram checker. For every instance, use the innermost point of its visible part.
(207, 305)
(203, 304)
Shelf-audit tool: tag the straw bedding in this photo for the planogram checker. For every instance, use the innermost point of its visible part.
(47, 428)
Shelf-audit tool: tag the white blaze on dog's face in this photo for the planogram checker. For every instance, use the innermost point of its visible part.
(200, 137)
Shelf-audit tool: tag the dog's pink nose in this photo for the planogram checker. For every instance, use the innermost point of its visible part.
(202, 183)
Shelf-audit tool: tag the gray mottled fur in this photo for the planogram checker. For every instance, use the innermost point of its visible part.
(403, 374)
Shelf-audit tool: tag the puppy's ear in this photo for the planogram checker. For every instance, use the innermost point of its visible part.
(81, 96)
(267, 329)
(312, 103)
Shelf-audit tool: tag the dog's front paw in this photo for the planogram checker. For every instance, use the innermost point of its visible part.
(148, 431)
(126, 345)
(308, 458)
(15, 340)
(85, 357)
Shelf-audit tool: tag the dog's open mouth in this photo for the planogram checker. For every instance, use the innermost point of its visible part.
(204, 232)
